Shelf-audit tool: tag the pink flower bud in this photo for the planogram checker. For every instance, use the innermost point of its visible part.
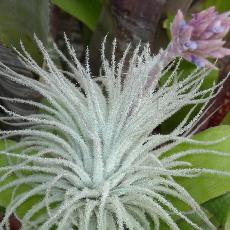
(201, 37)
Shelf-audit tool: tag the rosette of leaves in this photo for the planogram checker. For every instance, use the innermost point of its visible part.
(90, 158)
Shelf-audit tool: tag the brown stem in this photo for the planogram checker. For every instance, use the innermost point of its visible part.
(13, 221)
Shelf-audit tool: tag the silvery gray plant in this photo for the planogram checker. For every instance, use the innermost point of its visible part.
(93, 155)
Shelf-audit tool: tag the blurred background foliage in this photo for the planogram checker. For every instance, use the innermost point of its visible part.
(85, 23)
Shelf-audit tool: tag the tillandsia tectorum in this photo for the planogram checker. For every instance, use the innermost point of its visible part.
(91, 155)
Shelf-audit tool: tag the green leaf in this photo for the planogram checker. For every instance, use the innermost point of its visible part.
(2, 209)
(167, 24)
(87, 11)
(183, 225)
(206, 186)
(6, 195)
(219, 207)
(227, 223)
(220, 5)
(226, 120)
(19, 20)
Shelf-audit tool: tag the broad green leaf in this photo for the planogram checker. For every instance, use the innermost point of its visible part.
(183, 225)
(207, 186)
(19, 20)
(226, 120)
(5, 196)
(87, 11)
(219, 207)
(221, 5)
(2, 209)
(227, 223)
(167, 24)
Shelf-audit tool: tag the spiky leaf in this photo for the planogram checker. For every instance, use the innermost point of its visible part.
(91, 154)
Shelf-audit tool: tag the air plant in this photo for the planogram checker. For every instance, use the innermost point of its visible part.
(93, 155)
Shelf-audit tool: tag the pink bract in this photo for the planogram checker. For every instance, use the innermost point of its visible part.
(201, 37)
